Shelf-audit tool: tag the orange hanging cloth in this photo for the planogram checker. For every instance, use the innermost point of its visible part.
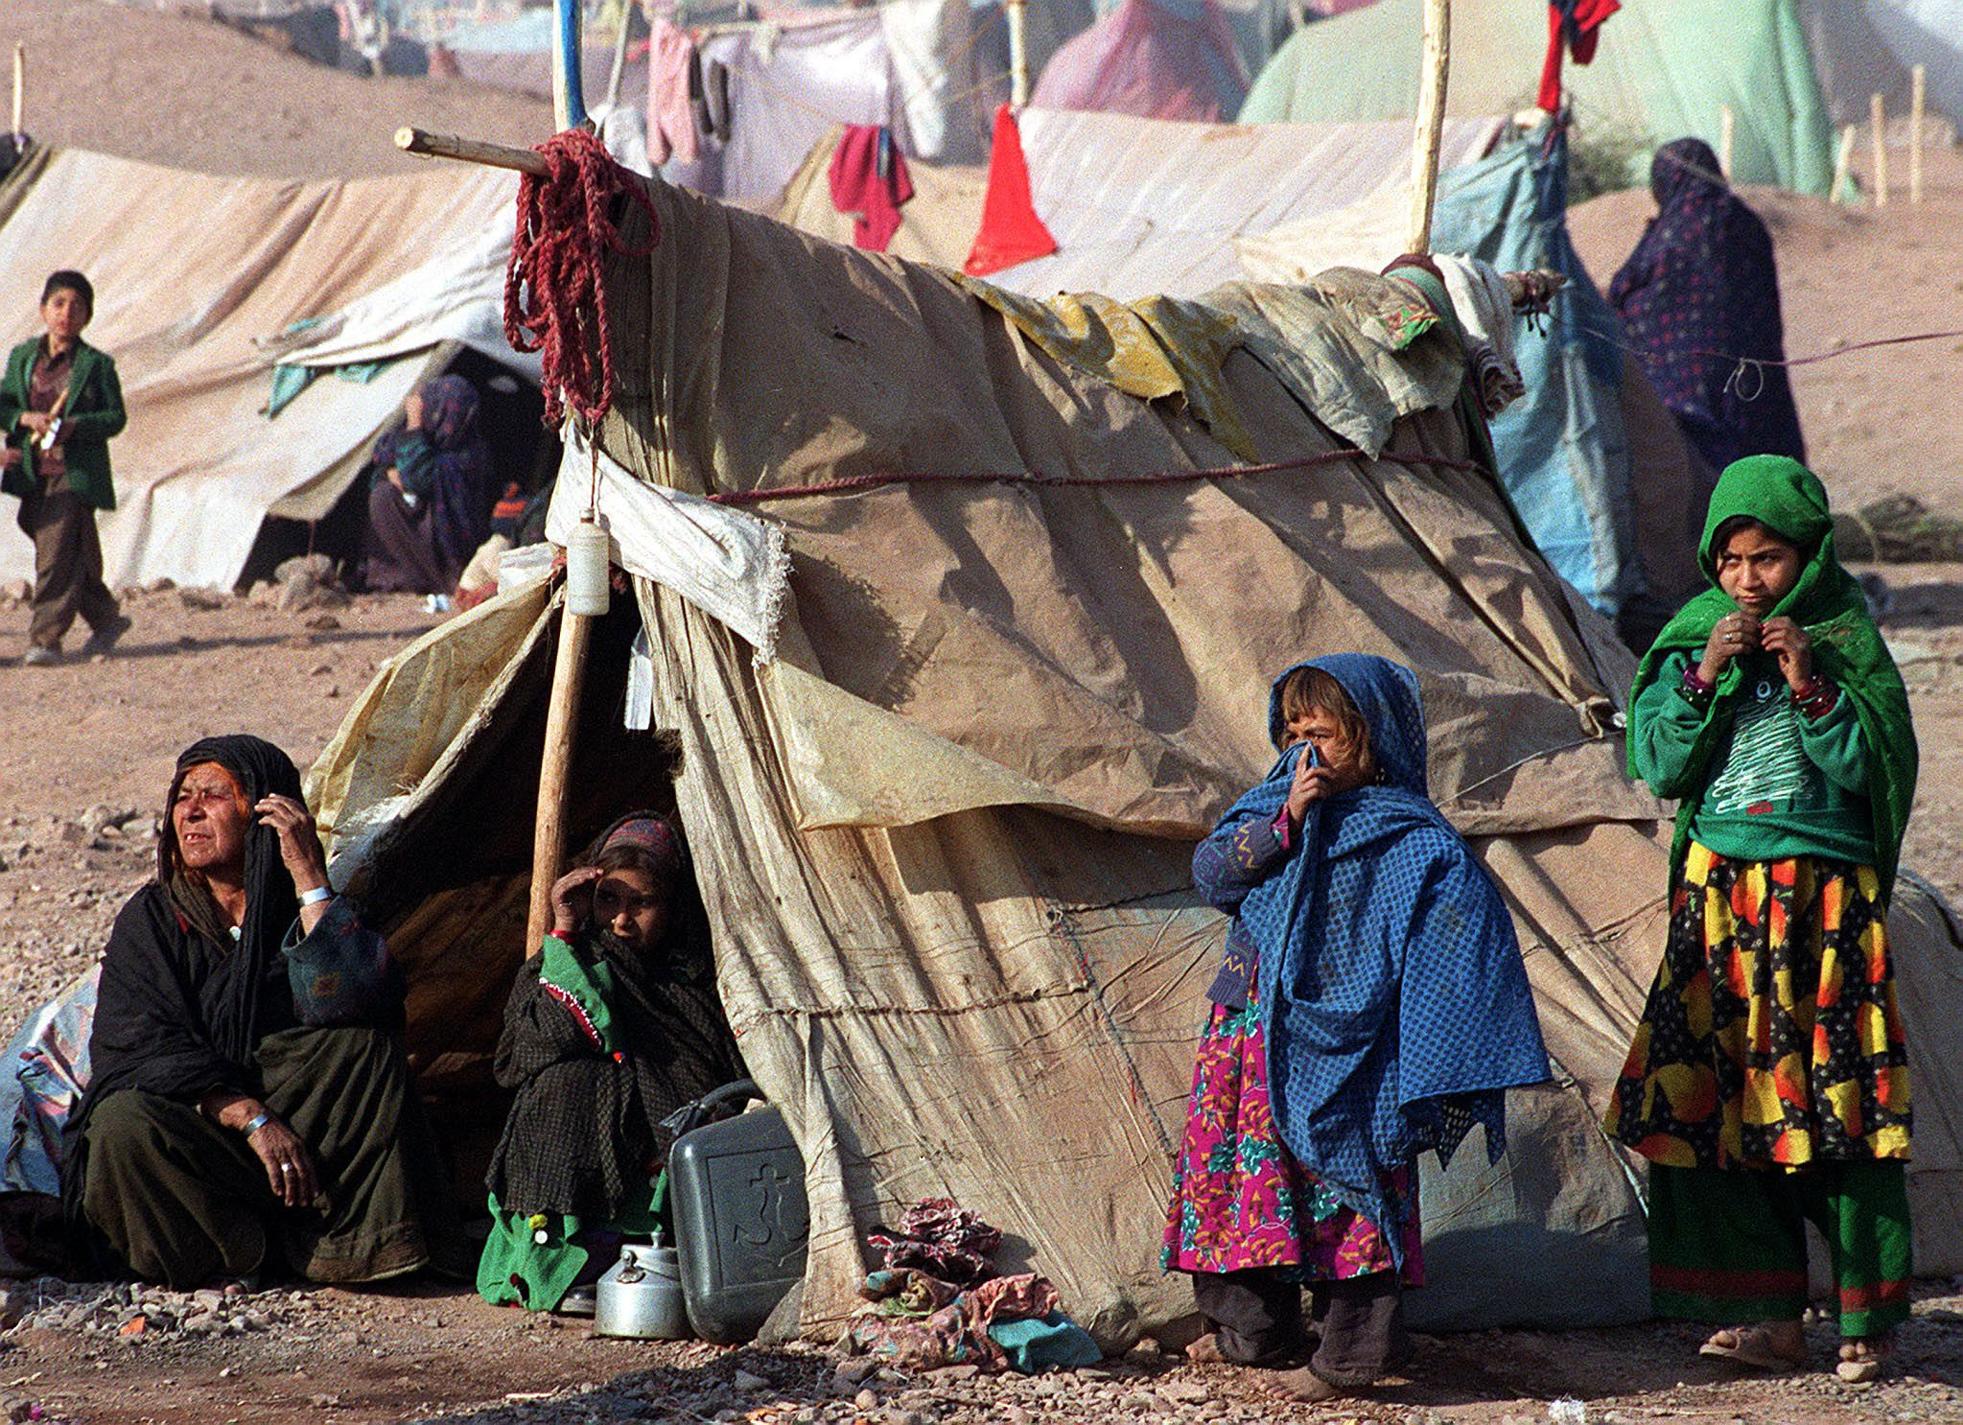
(1010, 230)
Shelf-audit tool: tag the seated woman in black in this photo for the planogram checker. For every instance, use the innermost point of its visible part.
(611, 1027)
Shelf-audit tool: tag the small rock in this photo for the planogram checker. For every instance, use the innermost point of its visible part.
(1046, 1386)
(323, 623)
(1141, 1401)
(17, 591)
(320, 670)
(867, 1399)
(967, 1370)
(333, 691)
(208, 1299)
(855, 1371)
(748, 1381)
(907, 1417)
(204, 599)
(1015, 1415)
(1185, 1390)
(201, 1323)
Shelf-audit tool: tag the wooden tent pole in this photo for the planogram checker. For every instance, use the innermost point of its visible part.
(1430, 135)
(1878, 117)
(1727, 133)
(1018, 14)
(568, 80)
(20, 90)
(1843, 165)
(561, 723)
(619, 69)
(493, 155)
(1918, 99)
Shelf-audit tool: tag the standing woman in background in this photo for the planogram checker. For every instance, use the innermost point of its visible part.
(60, 403)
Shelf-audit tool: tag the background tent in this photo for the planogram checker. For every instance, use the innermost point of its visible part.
(967, 959)
(1157, 59)
(221, 265)
(911, 65)
(1662, 72)
(1926, 32)
(1140, 206)
(516, 54)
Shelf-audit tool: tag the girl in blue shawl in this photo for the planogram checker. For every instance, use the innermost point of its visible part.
(430, 505)
(1371, 1004)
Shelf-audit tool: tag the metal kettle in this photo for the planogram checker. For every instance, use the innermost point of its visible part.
(640, 1295)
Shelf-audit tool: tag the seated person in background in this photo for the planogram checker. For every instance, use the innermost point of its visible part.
(220, 1134)
(611, 1027)
(430, 506)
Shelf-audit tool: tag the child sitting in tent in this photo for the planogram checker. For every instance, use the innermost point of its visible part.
(611, 1027)
(1371, 1004)
(1768, 1082)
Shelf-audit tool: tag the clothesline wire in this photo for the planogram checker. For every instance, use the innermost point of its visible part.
(859, 484)
(1756, 365)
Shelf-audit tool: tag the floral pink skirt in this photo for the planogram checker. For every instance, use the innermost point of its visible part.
(1240, 1200)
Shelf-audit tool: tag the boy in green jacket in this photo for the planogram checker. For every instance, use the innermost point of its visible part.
(60, 403)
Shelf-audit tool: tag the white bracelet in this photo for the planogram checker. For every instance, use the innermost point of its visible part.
(317, 895)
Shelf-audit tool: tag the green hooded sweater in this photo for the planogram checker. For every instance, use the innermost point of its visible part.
(1850, 798)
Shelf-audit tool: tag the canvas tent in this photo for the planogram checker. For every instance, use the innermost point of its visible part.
(944, 835)
(1156, 59)
(192, 274)
(1661, 72)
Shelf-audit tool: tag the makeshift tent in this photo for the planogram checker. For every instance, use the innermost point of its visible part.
(1611, 492)
(1662, 72)
(193, 275)
(1157, 59)
(1139, 206)
(1021, 662)
(910, 65)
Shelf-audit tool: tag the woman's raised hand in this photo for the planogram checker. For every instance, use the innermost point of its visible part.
(1313, 781)
(1734, 634)
(572, 899)
(1786, 640)
(289, 1166)
(299, 840)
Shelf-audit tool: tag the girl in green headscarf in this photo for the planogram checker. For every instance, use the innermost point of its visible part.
(1768, 1080)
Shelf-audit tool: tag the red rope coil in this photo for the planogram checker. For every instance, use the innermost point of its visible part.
(554, 290)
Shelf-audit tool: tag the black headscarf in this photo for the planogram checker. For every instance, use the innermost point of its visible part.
(182, 1007)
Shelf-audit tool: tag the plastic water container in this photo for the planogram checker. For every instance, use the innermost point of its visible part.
(742, 1225)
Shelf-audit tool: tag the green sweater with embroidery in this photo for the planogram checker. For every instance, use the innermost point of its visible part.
(1776, 782)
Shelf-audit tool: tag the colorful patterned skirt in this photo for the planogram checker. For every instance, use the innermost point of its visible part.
(1768, 1083)
(1240, 1200)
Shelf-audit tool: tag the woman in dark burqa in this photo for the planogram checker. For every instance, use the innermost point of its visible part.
(1700, 291)
(430, 505)
(612, 1026)
(221, 1135)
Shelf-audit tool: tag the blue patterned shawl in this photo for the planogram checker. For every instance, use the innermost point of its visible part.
(1393, 994)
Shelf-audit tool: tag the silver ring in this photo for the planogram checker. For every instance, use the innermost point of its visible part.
(287, 1168)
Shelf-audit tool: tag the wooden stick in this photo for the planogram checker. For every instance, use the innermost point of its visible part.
(1018, 13)
(561, 723)
(494, 155)
(1918, 95)
(20, 90)
(1878, 116)
(1727, 130)
(1430, 136)
(619, 60)
(1843, 165)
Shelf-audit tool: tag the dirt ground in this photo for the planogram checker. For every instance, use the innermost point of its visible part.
(89, 747)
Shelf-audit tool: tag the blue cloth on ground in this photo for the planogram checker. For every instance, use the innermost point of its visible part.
(1396, 1002)
(1035, 1344)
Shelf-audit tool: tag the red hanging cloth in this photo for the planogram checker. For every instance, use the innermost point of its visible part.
(1010, 230)
(1573, 27)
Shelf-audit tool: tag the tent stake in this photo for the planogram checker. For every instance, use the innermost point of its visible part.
(1430, 134)
(20, 91)
(1878, 116)
(1918, 95)
(494, 155)
(1018, 13)
(1727, 130)
(1843, 165)
(561, 724)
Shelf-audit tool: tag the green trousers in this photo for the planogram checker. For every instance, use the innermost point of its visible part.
(1728, 1245)
(182, 1201)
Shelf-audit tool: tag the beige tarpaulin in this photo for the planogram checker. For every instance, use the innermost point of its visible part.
(189, 269)
(944, 839)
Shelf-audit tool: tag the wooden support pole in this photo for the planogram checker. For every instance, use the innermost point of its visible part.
(1878, 118)
(561, 722)
(1843, 165)
(1727, 132)
(1430, 134)
(619, 69)
(1918, 98)
(494, 155)
(1018, 15)
(20, 90)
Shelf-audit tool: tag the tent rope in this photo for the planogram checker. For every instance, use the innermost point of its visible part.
(854, 484)
(554, 289)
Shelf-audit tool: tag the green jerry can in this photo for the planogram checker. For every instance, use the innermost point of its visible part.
(741, 1221)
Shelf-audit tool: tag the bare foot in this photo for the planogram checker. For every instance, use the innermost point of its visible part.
(1305, 1385)
(1861, 1359)
(1205, 1351)
(1770, 1346)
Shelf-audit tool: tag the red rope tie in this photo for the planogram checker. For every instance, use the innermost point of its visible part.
(554, 290)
